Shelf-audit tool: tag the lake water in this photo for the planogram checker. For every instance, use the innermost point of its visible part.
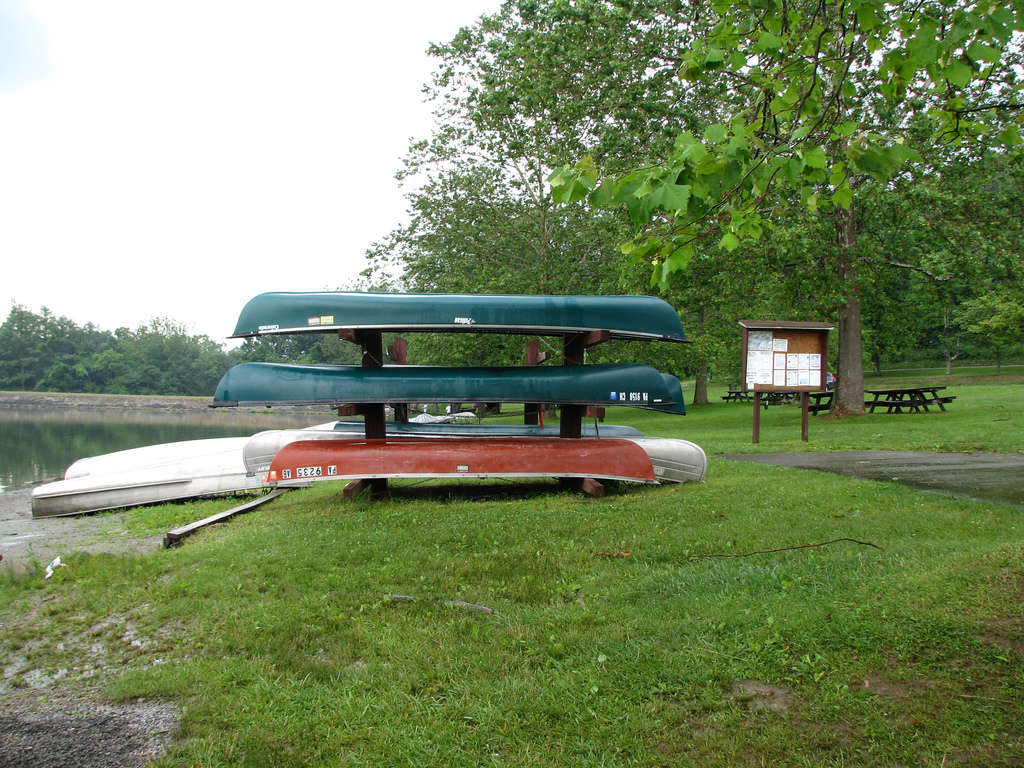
(39, 445)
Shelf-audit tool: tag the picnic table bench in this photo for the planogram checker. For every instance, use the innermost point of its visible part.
(737, 395)
(911, 399)
(820, 401)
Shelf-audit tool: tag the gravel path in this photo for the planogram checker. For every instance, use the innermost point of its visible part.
(55, 723)
(57, 731)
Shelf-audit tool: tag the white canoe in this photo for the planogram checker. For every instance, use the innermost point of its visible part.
(148, 475)
(153, 456)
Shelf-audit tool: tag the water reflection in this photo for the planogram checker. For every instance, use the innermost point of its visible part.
(38, 445)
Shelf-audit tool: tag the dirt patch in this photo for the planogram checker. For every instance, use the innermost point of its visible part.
(28, 543)
(760, 697)
(64, 730)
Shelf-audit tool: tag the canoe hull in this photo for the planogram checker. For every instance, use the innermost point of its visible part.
(629, 384)
(529, 457)
(74, 497)
(625, 317)
(675, 461)
(147, 475)
(200, 452)
(259, 451)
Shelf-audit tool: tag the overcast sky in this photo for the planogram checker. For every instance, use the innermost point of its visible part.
(173, 159)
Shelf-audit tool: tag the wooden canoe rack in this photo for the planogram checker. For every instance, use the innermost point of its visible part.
(361, 319)
(574, 347)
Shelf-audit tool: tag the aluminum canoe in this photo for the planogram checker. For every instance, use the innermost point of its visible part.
(150, 475)
(205, 451)
(409, 457)
(675, 461)
(629, 384)
(624, 317)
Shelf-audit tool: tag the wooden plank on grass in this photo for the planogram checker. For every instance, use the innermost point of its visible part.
(174, 538)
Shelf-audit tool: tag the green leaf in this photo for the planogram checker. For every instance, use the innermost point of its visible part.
(843, 196)
(730, 242)
(714, 56)
(602, 196)
(867, 17)
(980, 51)
(680, 258)
(838, 175)
(793, 169)
(1009, 136)
(768, 42)
(815, 157)
(587, 168)
(737, 145)
(684, 140)
(675, 197)
(695, 153)
(664, 272)
(958, 73)
(715, 133)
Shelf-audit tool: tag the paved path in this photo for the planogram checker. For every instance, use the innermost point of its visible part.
(997, 477)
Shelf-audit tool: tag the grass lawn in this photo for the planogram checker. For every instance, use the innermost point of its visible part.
(610, 637)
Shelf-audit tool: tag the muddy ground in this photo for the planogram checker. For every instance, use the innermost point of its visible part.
(28, 544)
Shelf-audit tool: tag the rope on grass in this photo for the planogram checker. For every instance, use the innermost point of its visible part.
(784, 549)
(454, 603)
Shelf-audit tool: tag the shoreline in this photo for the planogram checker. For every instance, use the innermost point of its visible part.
(84, 402)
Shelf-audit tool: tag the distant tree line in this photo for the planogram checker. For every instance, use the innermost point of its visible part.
(46, 352)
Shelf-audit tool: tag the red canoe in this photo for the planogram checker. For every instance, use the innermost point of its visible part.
(300, 462)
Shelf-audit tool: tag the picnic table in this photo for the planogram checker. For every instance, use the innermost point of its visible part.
(910, 399)
(820, 401)
(737, 395)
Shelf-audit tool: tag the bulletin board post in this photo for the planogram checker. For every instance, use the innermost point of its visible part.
(785, 357)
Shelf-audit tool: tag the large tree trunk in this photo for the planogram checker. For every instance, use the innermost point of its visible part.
(700, 385)
(850, 389)
(948, 347)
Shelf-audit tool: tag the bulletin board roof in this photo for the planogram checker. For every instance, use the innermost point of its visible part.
(785, 325)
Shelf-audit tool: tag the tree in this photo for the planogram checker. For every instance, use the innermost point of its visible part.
(518, 94)
(48, 352)
(829, 93)
(997, 317)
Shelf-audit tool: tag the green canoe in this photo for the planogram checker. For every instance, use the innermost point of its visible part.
(624, 317)
(628, 384)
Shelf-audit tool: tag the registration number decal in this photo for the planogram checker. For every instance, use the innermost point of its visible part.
(630, 397)
(309, 472)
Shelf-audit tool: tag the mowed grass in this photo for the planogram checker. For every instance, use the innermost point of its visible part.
(539, 628)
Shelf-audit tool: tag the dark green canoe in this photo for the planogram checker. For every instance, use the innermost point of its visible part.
(624, 317)
(414, 429)
(630, 384)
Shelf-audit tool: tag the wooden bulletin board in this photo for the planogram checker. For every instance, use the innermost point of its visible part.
(784, 356)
